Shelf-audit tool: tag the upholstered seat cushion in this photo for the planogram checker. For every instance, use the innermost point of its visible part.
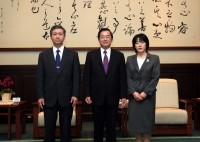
(41, 119)
(167, 94)
(171, 116)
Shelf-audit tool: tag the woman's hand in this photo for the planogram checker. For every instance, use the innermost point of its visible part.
(143, 95)
(137, 96)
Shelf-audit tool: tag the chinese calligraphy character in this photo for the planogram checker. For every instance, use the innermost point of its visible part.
(168, 3)
(103, 7)
(116, 24)
(169, 14)
(35, 9)
(142, 28)
(44, 3)
(157, 34)
(46, 35)
(169, 28)
(129, 30)
(87, 4)
(73, 29)
(101, 22)
(156, 10)
(182, 28)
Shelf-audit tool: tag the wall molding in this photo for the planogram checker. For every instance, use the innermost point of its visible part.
(90, 48)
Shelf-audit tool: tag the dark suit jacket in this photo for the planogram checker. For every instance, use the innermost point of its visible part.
(145, 79)
(62, 85)
(102, 87)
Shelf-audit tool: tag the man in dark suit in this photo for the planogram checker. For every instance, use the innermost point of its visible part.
(105, 86)
(58, 85)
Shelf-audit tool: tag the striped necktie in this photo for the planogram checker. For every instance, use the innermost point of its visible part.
(105, 61)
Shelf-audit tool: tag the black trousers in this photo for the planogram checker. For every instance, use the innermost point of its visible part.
(104, 117)
(50, 117)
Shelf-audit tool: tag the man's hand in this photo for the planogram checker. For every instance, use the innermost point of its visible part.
(41, 102)
(74, 100)
(88, 100)
(123, 102)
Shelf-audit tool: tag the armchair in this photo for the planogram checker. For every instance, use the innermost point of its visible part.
(38, 121)
(173, 116)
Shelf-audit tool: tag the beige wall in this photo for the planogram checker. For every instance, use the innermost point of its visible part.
(21, 27)
(16, 13)
(166, 56)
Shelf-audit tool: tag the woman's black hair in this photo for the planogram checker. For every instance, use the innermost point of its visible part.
(140, 37)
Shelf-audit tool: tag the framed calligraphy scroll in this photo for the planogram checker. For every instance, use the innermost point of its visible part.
(167, 23)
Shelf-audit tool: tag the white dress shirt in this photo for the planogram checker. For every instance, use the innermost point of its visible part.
(55, 52)
(103, 54)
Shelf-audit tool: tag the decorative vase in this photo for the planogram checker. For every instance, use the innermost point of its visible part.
(6, 96)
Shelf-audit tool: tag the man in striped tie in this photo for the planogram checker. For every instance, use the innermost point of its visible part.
(58, 85)
(105, 83)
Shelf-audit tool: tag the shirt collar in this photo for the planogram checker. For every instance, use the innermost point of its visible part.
(107, 50)
(61, 49)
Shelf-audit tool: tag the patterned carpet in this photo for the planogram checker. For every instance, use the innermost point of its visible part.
(87, 136)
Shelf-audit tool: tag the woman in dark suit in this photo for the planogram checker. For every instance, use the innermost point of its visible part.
(143, 71)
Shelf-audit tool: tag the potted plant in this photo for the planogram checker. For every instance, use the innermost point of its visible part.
(6, 90)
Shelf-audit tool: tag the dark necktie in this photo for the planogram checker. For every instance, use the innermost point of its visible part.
(105, 62)
(58, 60)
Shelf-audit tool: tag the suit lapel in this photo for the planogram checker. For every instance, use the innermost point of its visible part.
(65, 58)
(51, 58)
(99, 60)
(135, 63)
(146, 62)
(112, 59)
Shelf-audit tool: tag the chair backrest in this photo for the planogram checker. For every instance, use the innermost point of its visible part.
(167, 93)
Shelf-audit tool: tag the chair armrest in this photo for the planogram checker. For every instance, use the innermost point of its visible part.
(36, 110)
(187, 105)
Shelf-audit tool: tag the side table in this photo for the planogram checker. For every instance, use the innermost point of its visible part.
(18, 109)
(196, 112)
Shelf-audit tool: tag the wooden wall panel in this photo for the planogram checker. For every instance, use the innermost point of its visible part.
(187, 75)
